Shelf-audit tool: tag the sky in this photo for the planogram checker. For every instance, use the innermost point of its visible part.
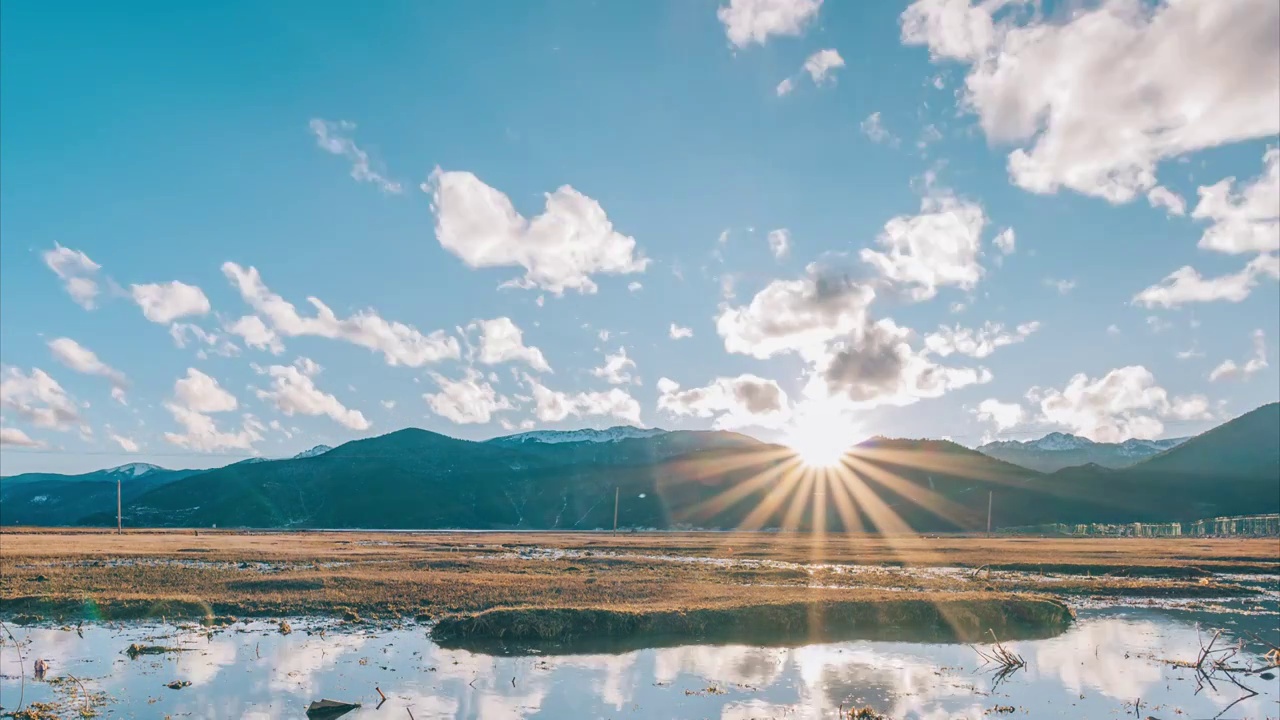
(235, 229)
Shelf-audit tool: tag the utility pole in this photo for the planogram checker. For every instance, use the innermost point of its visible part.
(119, 521)
(989, 496)
(616, 492)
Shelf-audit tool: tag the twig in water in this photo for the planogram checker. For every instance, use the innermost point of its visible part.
(22, 663)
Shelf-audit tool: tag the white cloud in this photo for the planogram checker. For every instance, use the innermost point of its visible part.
(165, 302)
(799, 316)
(820, 64)
(1186, 285)
(212, 341)
(398, 343)
(938, 247)
(558, 249)
(1006, 241)
(83, 360)
(38, 398)
(746, 400)
(820, 67)
(678, 332)
(754, 21)
(126, 443)
(256, 334)
(293, 391)
(11, 436)
(76, 271)
(200, 393)
(331, 137)
(196, 395)
(1063, 286)
(1229, 370)
(874, 128)
(554, 406)
(1247, 221)
(1113, 329)
(976, 342)
(1002, 415)
(1160, 196)
(634, 286)
(389, 404)
(1097, 100)
(876, 366)
(501, 340)
(780, 242)
(465, 401)
(617, 368)
(1124, 403)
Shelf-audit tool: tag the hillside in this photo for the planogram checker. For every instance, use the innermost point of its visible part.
(1056, 451)
(1233, 469)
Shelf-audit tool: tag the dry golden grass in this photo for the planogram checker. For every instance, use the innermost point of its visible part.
(101, 574)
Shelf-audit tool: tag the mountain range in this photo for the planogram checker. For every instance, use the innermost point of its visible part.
(1056, 451)
(710, 479)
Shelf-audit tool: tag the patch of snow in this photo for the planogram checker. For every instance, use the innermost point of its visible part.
(134, 469)
(1060, 442)
(608, 435)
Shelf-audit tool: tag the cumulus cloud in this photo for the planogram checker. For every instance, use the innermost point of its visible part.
(876, 366)
(938, 247)
(127, 444)
(780, 242)
(76, 271)
(874, 128)
(799, 316)
(197, 395)
(256, 334)
(634, 286)
(820, 66)
(165, 302)
(1160, 196)
(38, 398)
(559, 249)
(467, 400)
(14, 437)
(293, 391)
(554, 406)
(83, 360)
(1247, 221)
(184, 333)
(746, 400)
(1096, 101)
(679, 332)
(333, 137)
(976, 342)
(1006, 241)
(754, 21)
(1229, 370)
(1001, 414)
(617, 368)
(1124, 403)
(501, 340)
(1186, 285)
(398, 343)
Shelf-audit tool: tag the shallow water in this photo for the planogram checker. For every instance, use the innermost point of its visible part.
(1097, 669)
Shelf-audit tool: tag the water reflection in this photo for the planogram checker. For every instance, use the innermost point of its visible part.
(1096, 669)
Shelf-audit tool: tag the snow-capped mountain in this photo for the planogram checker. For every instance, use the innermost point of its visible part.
(590, 435)
(317, 450)
(1060, 450)
(133, 469)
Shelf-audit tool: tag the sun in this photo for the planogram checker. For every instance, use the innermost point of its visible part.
(821, 437)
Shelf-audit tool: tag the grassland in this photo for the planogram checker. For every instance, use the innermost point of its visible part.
(547, 585)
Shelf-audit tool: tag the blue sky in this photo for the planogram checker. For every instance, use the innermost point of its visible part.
(477, 204)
